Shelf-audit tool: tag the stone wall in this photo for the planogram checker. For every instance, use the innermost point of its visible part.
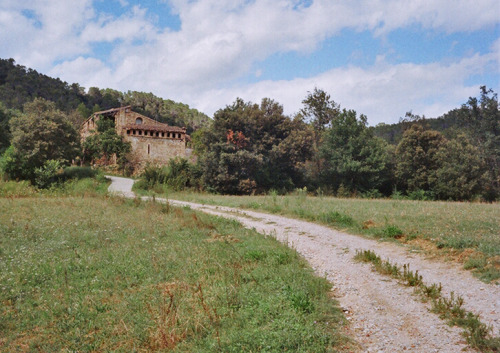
(147, 149)
(151, 141)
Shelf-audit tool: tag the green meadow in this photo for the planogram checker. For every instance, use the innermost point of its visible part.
(463, 231)
(82, 271)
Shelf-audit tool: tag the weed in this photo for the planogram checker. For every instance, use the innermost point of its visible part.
(391, 231)
(478, 335)
(474, 262)
(335, 218)
(299, 300)
(255, 255)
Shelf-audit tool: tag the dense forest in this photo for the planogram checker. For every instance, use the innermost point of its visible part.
(255, 148)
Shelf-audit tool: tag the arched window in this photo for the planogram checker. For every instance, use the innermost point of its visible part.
(138, 121)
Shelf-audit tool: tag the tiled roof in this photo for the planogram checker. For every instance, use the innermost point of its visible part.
(113, 110)
(161, 128)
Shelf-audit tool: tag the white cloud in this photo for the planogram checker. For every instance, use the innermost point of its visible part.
(382, 92)
(219, 41)
(85, 71)
(53, 34)
(130, 26)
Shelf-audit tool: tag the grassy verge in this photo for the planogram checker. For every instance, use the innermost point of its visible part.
(466, 232)
(478, 335)
(85, 187)
(80, 273)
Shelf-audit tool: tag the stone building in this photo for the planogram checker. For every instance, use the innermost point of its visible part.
(150, 140)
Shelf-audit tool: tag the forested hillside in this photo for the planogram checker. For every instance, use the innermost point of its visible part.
(19, 85)
(449, 124)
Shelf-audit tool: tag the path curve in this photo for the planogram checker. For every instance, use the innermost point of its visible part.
(385, 316)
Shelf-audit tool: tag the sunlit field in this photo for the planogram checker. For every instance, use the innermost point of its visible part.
(94, 273)
(467, 232)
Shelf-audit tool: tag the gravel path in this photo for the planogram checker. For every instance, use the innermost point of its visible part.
(385, 316)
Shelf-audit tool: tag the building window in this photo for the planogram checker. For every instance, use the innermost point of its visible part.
(138, 121)
(149, 148)
(140, 132)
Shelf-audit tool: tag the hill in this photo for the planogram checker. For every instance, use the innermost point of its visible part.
(449, 124)
(19, 85)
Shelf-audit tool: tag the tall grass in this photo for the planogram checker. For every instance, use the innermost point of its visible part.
(465, 231)
(107, 274)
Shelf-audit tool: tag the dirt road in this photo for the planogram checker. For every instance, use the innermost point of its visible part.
(385, 316)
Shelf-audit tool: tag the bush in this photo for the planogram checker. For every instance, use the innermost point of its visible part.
(78, 173)
(48, 174)
(392, 231)
(421, 195)
(372, 194)
(177, 175)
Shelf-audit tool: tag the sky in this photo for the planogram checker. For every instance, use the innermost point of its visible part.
(381, 58)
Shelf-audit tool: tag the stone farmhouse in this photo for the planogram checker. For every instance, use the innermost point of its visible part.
(151, 141)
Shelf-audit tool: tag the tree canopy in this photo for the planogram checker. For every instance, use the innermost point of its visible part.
(41, 133)
(353, 158)
(252, 147)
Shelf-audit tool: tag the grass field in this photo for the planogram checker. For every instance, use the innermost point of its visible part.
(466, 232)
(92, 273)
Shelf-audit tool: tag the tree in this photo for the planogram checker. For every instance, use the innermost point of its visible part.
(4, 129)
(39, 134)
(319, 106)
(353, 157)
(106, 143)
(253, 148)
(461, 174)
(320, 110)
(481, 121)
(417, 159)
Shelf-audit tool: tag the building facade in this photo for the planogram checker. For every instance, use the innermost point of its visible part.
(151, 141)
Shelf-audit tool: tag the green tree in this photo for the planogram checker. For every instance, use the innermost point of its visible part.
(481, 121)
(417, 159)
(106, 143)
(319, 110)
(461, 174)
(83, 111)
(39, 134)
(251, 147)
(353, 157)
(4, 129)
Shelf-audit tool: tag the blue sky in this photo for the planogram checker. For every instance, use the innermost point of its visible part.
(381, 58)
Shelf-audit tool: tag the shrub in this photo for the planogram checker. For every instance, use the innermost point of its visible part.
(177, 175)
(372, 194)
(78, 173)
(48, 174)
(420, 195)
(392, 231)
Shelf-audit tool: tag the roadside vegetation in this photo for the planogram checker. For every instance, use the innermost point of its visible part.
(463, 231)
(450, 308)
(82, 271)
